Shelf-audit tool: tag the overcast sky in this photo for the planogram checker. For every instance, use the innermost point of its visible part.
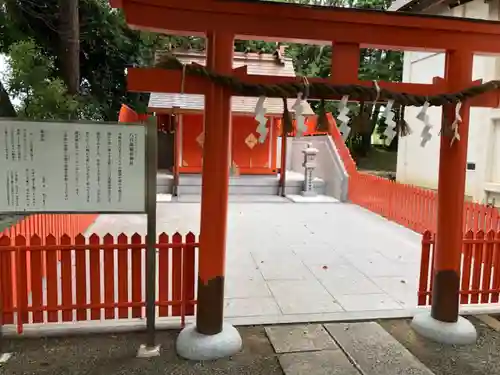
(3, 69)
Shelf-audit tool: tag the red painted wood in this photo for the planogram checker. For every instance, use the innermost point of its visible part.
(81, 278)
(52, 280)
(95, 276)
(189, 277)
(487, 267)
(66, 280)
(109, 276)
(7, 288)
(496, 265)
(137, 272)
(123, 276)
(163, 273)
(476, 267)
(177, 273)
(21, 282)
(424, 268)
(466, 267)
(36, 280)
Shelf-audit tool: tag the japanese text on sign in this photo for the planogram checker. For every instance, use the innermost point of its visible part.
(72, 167)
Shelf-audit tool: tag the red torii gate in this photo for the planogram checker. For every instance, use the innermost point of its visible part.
(221, 21)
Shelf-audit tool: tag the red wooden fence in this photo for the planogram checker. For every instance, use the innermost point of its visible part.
(44, 224)
(95, 279)
(410, 206)
(55, 224)
(480, 268)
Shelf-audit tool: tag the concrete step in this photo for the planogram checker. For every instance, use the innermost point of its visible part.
(341, 349)
(196, 198)
(241, 185)
(374, 351)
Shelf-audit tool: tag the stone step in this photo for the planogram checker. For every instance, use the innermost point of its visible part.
(374, 351)
(240, 185)
(342, 349)
(308, 349)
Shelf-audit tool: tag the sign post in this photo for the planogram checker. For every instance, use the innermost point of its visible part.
(151, 349)
(61, 167)
(76, 167)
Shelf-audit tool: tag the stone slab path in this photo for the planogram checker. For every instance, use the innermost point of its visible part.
(297, 262)
(343, 349)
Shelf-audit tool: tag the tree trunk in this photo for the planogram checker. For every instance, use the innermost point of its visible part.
(6, 107)
(69, 44)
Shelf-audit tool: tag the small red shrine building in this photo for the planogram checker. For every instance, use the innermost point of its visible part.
(248, 155)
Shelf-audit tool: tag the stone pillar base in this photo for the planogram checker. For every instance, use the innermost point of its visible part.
(461, 332)
(198, 347)
(309, 193)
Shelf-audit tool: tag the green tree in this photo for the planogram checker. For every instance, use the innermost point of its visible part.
(30, 78)
(107, 46)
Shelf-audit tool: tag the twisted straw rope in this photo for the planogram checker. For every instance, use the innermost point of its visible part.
(324, 90)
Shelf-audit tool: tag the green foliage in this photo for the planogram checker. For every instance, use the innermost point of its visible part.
(108, 46)
(30, 78)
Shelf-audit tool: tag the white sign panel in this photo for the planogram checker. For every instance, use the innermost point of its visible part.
(72, 167)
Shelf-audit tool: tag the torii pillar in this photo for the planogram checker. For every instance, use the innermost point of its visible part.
(212, 338)
(444, 324)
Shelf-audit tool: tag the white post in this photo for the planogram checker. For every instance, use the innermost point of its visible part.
(309, 164)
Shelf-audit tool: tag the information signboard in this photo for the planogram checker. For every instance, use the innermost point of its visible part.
(72, 167)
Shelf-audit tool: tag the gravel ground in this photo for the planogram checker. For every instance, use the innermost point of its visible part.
(115, 354)
(480, 359)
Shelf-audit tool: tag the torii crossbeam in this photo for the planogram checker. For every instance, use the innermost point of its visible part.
(221, 21)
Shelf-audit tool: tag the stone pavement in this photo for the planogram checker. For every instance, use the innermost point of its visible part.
(386, 347)
(296, 262)
(342, 349)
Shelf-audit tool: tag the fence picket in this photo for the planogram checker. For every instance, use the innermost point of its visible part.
(487, 265)
(66, 279)
(51, 260)
(6, 282)
(36, 280)
(109, 276)
(189, 256)
(477, 267)
(77, 274)
(163, 277)
(424, 268)
(95, 276)
(466, 266)
(123, 276)
(81, 277)
(176, 273)
(496, 269)
(21, 282)
(137, 312)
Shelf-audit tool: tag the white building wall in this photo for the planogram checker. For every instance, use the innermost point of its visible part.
(419, 165)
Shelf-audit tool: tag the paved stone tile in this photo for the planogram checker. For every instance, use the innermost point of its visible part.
(326, 362)
(367, 302)
(402, 289)
(374, 350)
(272, 242)
(354, 284)
(299, 338)
(302, 297)
(332, 271)
(284, 270)
(262, 306)
(246, 287)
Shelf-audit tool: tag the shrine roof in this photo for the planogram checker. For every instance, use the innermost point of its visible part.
(419, 5)
(258, 64)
